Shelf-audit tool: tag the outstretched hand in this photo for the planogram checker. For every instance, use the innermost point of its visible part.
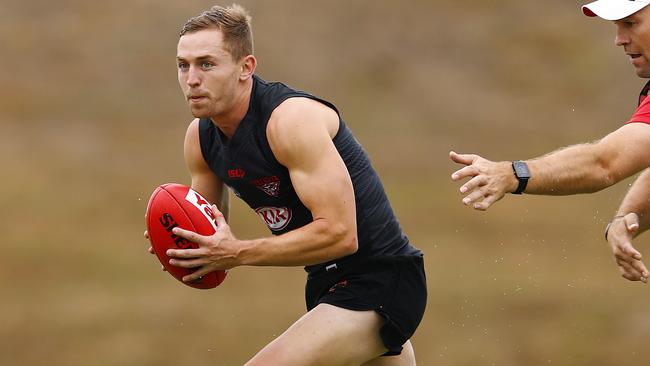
(489, 180)
(218, 251)
(620, 233)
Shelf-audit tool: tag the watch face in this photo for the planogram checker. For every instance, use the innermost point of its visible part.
(521, 169)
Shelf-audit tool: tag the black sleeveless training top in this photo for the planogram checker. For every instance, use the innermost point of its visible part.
(247, 165)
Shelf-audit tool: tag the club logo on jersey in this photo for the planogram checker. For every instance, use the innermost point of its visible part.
(238, 173)
(276, 218)
(203, 205)
(338, 285)
(269, 185)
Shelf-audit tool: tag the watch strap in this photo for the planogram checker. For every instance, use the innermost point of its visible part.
(522, 174)
(523, 182)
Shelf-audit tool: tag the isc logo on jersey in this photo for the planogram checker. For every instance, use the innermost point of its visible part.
(276, 218)
(203, 205)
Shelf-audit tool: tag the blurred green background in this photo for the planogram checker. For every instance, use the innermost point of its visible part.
(92, 119)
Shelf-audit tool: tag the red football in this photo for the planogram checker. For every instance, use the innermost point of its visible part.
(175, 205)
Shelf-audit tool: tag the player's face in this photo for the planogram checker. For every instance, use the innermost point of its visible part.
(633, 34)
(207, 73)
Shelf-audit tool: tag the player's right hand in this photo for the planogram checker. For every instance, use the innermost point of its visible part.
(146, 236)
(619, 236)
(219, 251)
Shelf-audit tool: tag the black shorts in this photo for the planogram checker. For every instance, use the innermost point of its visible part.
(395, 287)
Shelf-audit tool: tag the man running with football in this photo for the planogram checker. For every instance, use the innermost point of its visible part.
(291, 158)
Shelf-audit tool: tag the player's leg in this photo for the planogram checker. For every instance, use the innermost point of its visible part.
(326, 335)
(406, 358)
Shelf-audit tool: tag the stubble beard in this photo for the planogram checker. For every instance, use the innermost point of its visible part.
(204, 111)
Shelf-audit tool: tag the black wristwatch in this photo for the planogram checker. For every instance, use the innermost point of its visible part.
(522, 173)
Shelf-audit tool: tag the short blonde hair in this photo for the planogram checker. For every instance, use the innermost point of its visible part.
(234, 22)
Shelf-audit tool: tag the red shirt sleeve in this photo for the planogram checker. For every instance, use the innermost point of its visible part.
(642, 113)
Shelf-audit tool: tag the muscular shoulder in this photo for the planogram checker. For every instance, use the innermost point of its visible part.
(192, 145)
(193, 129)
(300, 124)
(301, 111)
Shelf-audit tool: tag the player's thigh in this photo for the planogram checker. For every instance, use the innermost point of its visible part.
(327, 335)
(406, 358)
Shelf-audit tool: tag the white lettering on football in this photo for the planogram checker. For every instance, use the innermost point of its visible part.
(203, 205)
(276, 218)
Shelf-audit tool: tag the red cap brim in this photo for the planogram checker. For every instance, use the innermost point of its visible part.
(587, 12)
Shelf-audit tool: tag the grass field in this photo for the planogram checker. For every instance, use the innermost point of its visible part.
(92, 120)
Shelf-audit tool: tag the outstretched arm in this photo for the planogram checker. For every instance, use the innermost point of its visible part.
(580, 168)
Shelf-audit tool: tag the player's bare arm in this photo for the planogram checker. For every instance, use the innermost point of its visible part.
(580, 168)
(204, 180)
(300, 133)
(632, 218)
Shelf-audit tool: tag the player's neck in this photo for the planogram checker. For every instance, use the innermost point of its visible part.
(230, 120)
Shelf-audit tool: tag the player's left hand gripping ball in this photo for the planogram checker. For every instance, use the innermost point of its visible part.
(175, 205)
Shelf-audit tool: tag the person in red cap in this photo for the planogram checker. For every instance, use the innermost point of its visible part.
(587, 167)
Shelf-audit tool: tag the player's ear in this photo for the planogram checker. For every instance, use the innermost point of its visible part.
(248, 65)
